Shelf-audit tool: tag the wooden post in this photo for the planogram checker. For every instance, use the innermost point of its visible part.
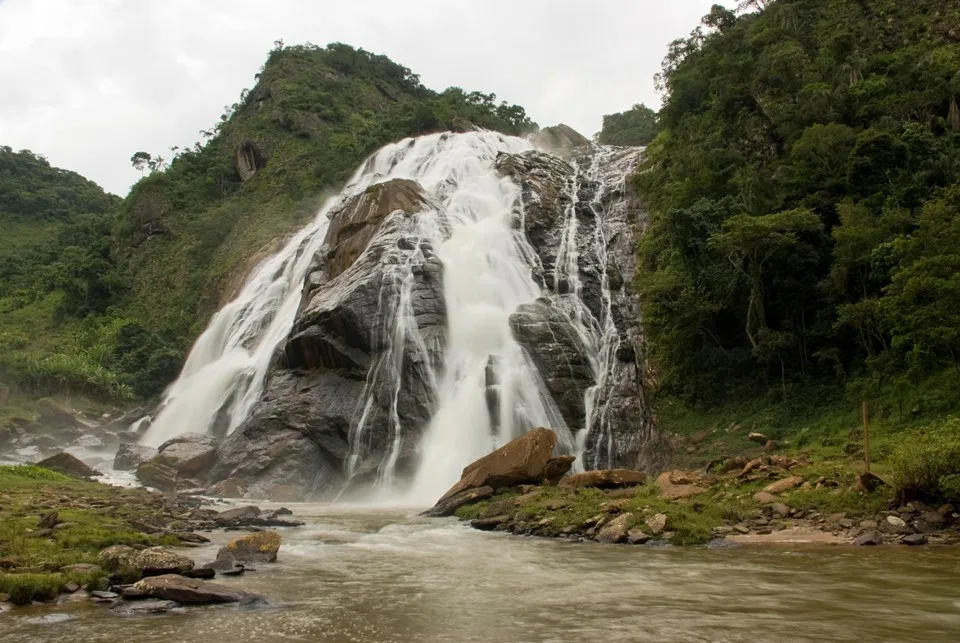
(866, 435)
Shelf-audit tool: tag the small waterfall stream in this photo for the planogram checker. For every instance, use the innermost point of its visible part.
(487, 389)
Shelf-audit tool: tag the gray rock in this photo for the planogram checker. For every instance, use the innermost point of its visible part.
(616, 530)
(129, 456)
(871, 537)
(637, 537)
(68, 465)
(139, 608)
(188, 591)
(895, 525)
(780, 509)
(914, 539)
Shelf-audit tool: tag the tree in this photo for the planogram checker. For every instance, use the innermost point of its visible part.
(140, 160)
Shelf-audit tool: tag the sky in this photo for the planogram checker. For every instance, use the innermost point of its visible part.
(87, 83)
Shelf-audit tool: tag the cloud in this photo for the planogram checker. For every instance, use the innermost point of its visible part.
(89, 82)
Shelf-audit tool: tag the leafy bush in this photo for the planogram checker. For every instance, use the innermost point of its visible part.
(927, 464)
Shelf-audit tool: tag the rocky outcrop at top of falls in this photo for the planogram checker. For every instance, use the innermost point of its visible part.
(371, 331)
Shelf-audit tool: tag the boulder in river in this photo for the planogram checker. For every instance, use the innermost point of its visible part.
(520, 461)
(449, 505)
(129, 456)
(68, 465)
(190, 591)
(605, 479)
(258, 547)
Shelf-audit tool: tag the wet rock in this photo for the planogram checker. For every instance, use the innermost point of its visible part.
(155, 606)
(871, 537)
(520, 461)
(557, 468)
(105, 596)
(229, 488)
(129, 456)
(914, 539)
(605, 479)
(637, 537)
(203, 573)
(188, 591)
(895, 525)
(488, 524)
(68, 465)
(71, 588)
(616, 530)
(237, 516)
(157, 475)
(450, 505)
(259, 547)
(786, 484)
(657, 523)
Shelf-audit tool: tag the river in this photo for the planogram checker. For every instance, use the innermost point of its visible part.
(360, 574)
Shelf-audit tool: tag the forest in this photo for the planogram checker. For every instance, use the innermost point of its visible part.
(803, 195)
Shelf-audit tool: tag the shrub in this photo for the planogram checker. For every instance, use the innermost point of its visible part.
(927, 464)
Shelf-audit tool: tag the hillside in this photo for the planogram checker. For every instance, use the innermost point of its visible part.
(177, 247)
(802, 252)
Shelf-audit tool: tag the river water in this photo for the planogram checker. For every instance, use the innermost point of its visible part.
(359, 574)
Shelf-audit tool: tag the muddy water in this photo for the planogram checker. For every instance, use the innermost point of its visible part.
(356, 574)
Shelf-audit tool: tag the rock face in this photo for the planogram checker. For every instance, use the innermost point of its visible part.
(129, 456)
(335, 369)
(520, 461)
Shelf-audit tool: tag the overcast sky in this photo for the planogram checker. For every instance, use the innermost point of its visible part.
(89, 82)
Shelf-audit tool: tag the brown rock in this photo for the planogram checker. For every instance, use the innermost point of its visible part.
(753, 465)
(258, 547)
(488, 524)
(895, 525)
(555, 504)
(770, 446)
(49, 521)
(229, 488)
(236, 516)
(764, 497)
(68, 465)
(616, 530)
(657, 523)
(736, 463)
(557, 468)
(605, 479)
(189, 591)
(673, 491)
(637, 537)
(759, 438)
(780, 509)
(785, 484)
(868, 481)
(521, 461)
(450, 505)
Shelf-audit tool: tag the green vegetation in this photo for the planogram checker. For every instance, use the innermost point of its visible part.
(636, 126)
(927, 463)
(91, 517)
(804, 192)
(103, 297)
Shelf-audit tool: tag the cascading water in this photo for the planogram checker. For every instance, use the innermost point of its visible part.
(485, 389)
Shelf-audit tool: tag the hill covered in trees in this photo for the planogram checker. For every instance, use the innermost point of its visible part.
(104, 296)
(804, 195)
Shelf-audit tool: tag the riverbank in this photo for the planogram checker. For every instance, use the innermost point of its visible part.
(761, 498)
(56, 532)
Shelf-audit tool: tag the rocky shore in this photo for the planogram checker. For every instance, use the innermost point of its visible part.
(62, 534)
(769, 499)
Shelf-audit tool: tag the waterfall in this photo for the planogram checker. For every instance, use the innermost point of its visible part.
(486, 389)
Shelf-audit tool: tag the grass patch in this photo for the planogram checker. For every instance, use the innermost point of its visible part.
(927, 463)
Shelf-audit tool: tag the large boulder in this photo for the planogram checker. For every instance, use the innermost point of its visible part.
(189, 591)
(152, 561)
(157, 475)
(449, 505)
(129, 456)
(68, 465)
(520, 461)
(189, 458)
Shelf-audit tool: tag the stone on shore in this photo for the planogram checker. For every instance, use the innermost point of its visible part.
(616, 530)
(786, 484)
(657, 523)
(895, 525)
(157, 475)
(153, 561)
(68, 465)
(258, 547)
(189, 591)
(605, 479)
(870, 537)
(675, 485)
(520, 461)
